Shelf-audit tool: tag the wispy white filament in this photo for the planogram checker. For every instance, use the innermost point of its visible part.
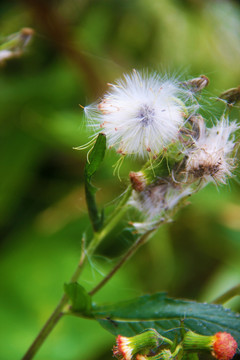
(141, 113)
(155, 200)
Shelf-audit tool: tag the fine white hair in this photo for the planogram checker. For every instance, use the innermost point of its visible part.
(141, 113)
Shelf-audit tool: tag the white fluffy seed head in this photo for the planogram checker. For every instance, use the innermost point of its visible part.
(141, 113)
(211, 157)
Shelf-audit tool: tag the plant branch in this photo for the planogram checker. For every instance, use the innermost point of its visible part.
(131, 251)
(138, 243)
(228, 295)
(58, 312)
(47, 328)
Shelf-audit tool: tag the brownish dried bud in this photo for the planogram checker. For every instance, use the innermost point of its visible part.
(198, 126)
(197, 84)
(137, 180)
(231, 96)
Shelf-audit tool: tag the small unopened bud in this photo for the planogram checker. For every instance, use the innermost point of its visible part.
(198, 126)
(26, 35)
(222, 345)
(127, 347)
(197, 84)
(138, 181)
(231, 96)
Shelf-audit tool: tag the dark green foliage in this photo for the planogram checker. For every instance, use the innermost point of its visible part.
(167, 316)
(95, 158)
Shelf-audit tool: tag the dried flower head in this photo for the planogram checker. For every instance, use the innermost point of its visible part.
(152, 200)
(211, 156)
(137, 180)
(231, 96)
(156, 199)
(197, 84)
(141, 113)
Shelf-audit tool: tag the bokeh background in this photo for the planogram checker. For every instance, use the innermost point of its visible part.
(79, 46)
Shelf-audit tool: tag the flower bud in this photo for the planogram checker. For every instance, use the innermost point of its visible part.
(222, 345)
(126, 347)
(197, 84)
(231, 96)
(138, 181)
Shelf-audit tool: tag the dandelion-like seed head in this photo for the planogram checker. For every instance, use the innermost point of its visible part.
(141, 113)
(211, 157)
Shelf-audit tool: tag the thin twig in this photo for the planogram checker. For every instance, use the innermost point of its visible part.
(131, 251)
(58, 312)
(228, 295)
(47, 328)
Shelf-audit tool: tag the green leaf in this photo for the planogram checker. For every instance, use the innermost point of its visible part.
(167, 316)
(95, 158)
(81, 301)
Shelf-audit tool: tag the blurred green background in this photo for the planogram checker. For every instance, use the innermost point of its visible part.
(79, 46)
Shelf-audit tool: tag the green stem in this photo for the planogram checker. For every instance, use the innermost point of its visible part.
(8, 45)
(131, 251)
(121, 204)
(99, 236)
(58, 312)
(228, 295)
(47, 328)
(136, 245)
